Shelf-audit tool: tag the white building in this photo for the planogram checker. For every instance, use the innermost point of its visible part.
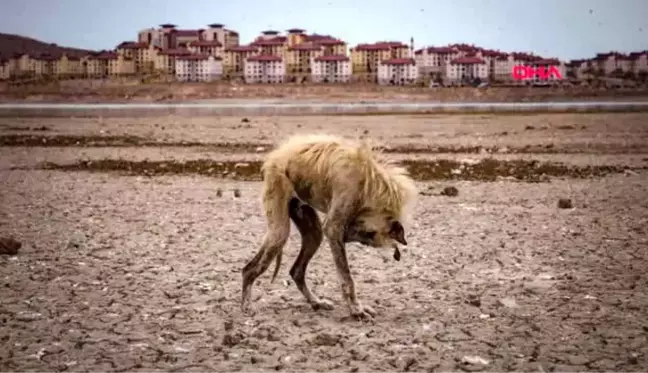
(331, 69)
(639, 62)
(198, 68)
(578, 68)
(554, 71)
(503, 65)
(4, 69)
(613, 62)
(398, 71)
(432, 61)
(264, 69)
(466, 69)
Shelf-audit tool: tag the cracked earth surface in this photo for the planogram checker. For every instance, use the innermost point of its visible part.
(127, 273)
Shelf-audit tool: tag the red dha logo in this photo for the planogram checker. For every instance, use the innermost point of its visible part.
(521, 72)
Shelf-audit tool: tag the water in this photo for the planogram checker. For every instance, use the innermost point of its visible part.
(263, 107)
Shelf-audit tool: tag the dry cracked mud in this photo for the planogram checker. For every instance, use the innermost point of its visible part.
(140, 270)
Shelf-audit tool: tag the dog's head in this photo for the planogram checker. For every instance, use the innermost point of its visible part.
(376, 230)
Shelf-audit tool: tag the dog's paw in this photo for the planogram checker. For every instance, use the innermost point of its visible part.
(363, 313)
(322, 304)
(248, 309)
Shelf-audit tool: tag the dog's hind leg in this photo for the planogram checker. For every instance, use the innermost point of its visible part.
(310, 228)
(276, 195)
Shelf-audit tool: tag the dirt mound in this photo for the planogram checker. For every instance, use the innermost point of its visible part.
(422, 170)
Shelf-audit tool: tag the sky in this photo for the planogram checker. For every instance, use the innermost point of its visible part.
(565, 29)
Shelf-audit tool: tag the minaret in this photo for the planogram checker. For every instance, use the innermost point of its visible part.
(412, 47)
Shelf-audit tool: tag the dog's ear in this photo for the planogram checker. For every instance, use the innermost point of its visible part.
(397, 232)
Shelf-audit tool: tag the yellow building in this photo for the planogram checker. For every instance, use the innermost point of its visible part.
(69, 67)
(108, 64)
(165, 62)
(234, 61)
(300, 56)
(276, 46)
(144, 55)
(365, 58)
(23, 65)
(207, 47)
(46, 65)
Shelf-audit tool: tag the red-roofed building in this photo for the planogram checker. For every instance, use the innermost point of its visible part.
(639, 62)
(143, 54)
(209, 47)
(108, 64)
(198, 68)
(366, 58)
(432, 61)
(234, 61)
(331, 69)
(167, 36)
(397, 71)
(466, 69)
(165, 62)
(265, 69)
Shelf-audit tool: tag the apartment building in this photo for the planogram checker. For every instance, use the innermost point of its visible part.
(166, 59)
(235, 57)
(108, 64)
(168, 36)
(46, 65)
(208, 47)
(302, 49)
(143, 55)
(96, 65)
(554, 71)
(397, 71)
(466, 69)
(5, 71)
(22, 65)
(366, 58)
(331, 69)
(270, 43)
(265, 69)
(612, 62)
(490, 57)
(299, 58)
(69, 67)
(329, 45)
(217, 32)
(198, 68)
(503, 65)
(639, 62)
(432, 61)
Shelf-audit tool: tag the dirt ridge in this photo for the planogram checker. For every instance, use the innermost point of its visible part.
(421, 170)
(30, 140)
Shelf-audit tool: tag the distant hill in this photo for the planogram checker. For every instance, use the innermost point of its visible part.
(11, 45)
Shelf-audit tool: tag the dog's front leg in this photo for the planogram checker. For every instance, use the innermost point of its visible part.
(334, 232)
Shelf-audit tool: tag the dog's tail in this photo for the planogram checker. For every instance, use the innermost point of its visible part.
(294, 212)
(277, 265)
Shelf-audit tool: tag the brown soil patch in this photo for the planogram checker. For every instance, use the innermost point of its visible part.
(263, 147)
(422, 170)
